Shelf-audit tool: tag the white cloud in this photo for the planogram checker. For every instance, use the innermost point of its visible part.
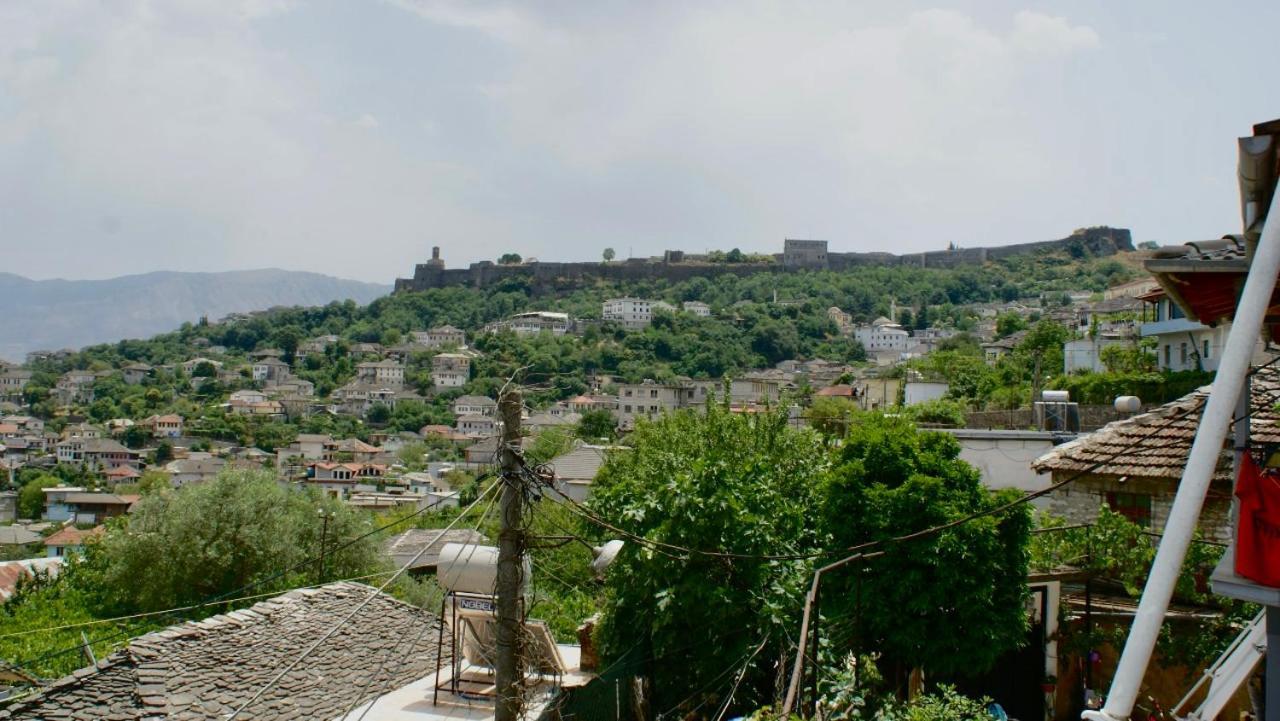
(1037, 33)
(202, 139)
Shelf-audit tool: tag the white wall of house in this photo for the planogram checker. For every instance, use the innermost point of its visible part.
(1004, 457)
(921, 391)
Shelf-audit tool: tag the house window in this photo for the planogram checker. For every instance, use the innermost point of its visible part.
(1134, 506)
(1206, 349)
(1168, 355)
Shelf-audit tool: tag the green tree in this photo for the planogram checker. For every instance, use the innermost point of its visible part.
(608, 254)
(951, 602)
(203, 540)
(597, 424)
(163, 454)
(135, 436)
(31, 496)
(1009, 323)
(510, 259)
(717, 480)
(378, 413)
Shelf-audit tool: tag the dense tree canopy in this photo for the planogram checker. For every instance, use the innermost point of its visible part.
(950, 603)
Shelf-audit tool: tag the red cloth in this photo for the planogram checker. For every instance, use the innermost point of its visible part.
(1258, 536)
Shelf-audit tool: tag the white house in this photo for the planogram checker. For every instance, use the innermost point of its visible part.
(474, 406)
(383, 372)
(450, 370)
(698, 308)
(633, 313)
(1181, 343)
(882, 335)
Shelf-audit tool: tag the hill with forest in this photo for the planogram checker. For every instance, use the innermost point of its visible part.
(53, 314)
(756, 321)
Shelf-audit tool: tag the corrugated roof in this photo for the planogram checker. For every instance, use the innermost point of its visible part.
(1156, 444)
(206, 669)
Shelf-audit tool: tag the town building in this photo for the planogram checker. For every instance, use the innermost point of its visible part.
(135, 373)
(68, 541)
(477, 426)
(650, 398)
(450, 370)
(166, 426)
(843, 320)
(384, 372)
(208, 669)
(474, 406)
(1182, 344)
(445, 336)
(1134, 465)
(533, 323)
(270, 370)
(882, 335)
(696, 307)
(632, 313)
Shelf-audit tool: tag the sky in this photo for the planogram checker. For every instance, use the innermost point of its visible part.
(350, 137)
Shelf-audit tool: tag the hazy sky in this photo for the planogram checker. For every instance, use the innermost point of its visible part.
(349, 137)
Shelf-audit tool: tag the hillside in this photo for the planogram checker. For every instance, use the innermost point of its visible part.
(51, 314)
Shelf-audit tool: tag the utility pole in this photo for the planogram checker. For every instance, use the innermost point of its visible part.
(510, 561)
(324, 533)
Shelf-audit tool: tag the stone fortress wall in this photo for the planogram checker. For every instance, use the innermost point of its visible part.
(798, 255)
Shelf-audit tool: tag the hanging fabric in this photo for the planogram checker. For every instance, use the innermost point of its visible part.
(1258, 535)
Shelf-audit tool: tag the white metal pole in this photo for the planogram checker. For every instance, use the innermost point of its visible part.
(1232, 371)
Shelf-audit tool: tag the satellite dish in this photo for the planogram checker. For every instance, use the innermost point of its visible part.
(605, 555)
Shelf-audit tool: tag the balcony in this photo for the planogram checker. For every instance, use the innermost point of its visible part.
(1174, 325)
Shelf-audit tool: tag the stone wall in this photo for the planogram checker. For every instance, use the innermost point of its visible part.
(1080, 500)
(1091, 418)
(551, 277)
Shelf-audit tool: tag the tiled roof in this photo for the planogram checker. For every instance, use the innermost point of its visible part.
(1228, 247)
(72, 536)
(206, 669)
(107, 499)
(580, 464)
(1156, 444)
(403, 548)
(17, 536)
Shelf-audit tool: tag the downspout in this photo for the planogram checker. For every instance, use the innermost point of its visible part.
(1227, 385)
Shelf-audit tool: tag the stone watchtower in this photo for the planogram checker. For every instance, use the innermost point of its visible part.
(804, 253)
(436, 261)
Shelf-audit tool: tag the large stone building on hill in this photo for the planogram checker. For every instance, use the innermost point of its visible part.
(797, 255)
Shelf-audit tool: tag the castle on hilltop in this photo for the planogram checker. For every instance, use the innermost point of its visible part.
(797, 255)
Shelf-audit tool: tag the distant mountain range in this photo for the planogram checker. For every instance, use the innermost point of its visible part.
(53, 314)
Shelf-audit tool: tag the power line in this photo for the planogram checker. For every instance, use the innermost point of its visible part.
(223, 597)
(359, 607)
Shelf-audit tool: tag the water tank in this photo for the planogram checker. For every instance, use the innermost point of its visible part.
(1128, 404)
(1055, 396)
(468, 568)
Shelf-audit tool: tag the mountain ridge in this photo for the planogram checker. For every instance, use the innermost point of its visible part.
(57, 313)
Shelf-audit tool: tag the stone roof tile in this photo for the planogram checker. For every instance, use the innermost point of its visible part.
(198, 670)
(1156, 444)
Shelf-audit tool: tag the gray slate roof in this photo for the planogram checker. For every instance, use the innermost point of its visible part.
(206, 669)
(1156, 444)
(18, 536)
(580, 464)
(404, 547)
